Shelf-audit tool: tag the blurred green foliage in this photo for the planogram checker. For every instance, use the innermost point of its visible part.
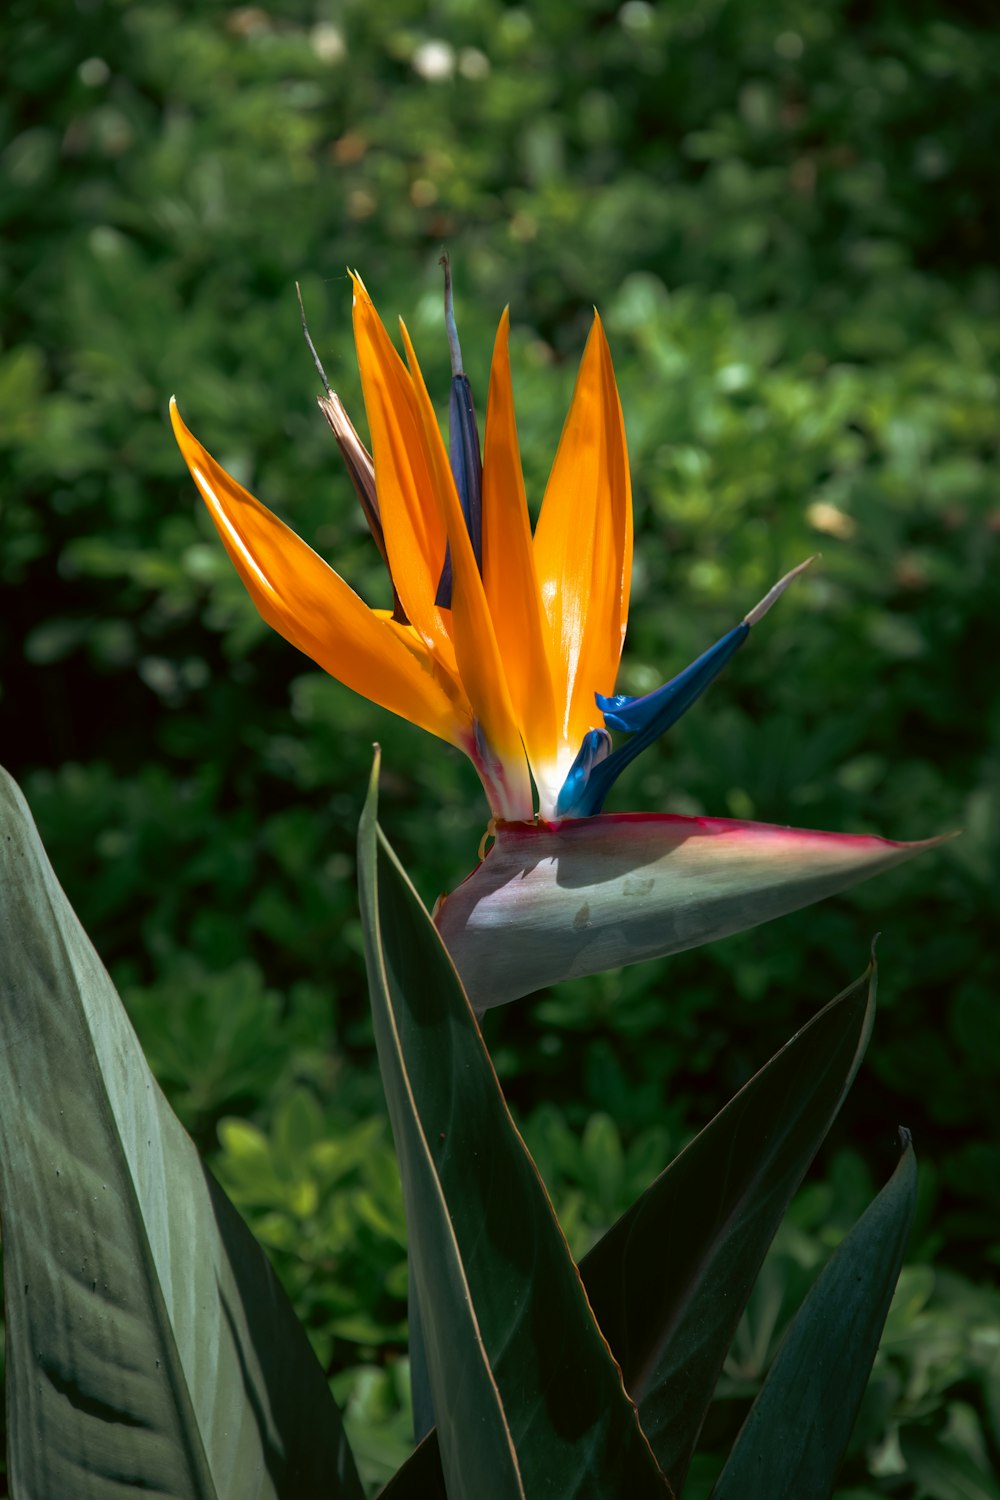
(787, 215)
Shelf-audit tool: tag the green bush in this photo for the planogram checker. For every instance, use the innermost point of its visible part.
(788, 219)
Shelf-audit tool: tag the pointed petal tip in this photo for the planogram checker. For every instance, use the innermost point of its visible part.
(940, 838)
(774, 594)
(335, 412)
(450, 323)
(906, 848)
(917, 846)
(180, 429)
(193, 452)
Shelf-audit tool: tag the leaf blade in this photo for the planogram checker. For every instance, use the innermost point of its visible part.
(669, 1312)
(534, 1399)
(148, 1340)
(669, 1304)
(799, 1426)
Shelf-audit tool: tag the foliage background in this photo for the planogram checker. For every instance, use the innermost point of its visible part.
(787, 215)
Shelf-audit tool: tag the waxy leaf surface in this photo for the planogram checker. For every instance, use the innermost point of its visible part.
(531, 1400)
(668, 1283)
(149, 1347)
(799, 1426)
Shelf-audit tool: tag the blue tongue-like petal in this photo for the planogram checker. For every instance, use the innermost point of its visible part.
(649, 716)
(644, 719)
(463, 448)
(596, 747)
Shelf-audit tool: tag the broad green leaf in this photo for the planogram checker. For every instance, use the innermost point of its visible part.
(149, 1346)
(532, 1402)
(669, 1281)
(799, 1426)
(554, 901)
(420, 1381)
(421, 1477)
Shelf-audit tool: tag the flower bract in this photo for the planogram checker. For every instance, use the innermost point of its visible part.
(596, 893)
(502, 640)
(506, 642)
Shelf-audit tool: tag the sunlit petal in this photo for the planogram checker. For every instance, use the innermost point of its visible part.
(405, 476)
(301, 597)
(476, 651)
(555, 901)
(509, 575)
(583, 546)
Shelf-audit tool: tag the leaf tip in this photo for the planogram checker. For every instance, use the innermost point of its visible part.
(774, 594)
(368, 821)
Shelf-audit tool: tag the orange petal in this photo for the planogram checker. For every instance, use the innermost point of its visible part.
(480, 664)
(302, 598)
(509, 573)
(404, 476)
(583, 544)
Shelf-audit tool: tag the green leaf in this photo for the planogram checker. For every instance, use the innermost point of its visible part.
(669, 1282)
(421, 1477)
(800, 1424)
(149, 1346)
(534, 1403)
(668, 1299)
(421, 1396)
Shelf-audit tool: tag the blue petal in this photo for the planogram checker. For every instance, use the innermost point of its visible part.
(656, 711)
(463, 447)
(466, 461)
(644, 720)
(467, 468)
(596, 747)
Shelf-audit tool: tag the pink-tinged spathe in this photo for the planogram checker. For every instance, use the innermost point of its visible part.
(505, 640)
(554, 901)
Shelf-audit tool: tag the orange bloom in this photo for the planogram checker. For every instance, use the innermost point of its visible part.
(503, 643)
(508, 670)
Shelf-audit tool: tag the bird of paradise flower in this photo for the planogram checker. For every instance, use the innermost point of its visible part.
(506, 643)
